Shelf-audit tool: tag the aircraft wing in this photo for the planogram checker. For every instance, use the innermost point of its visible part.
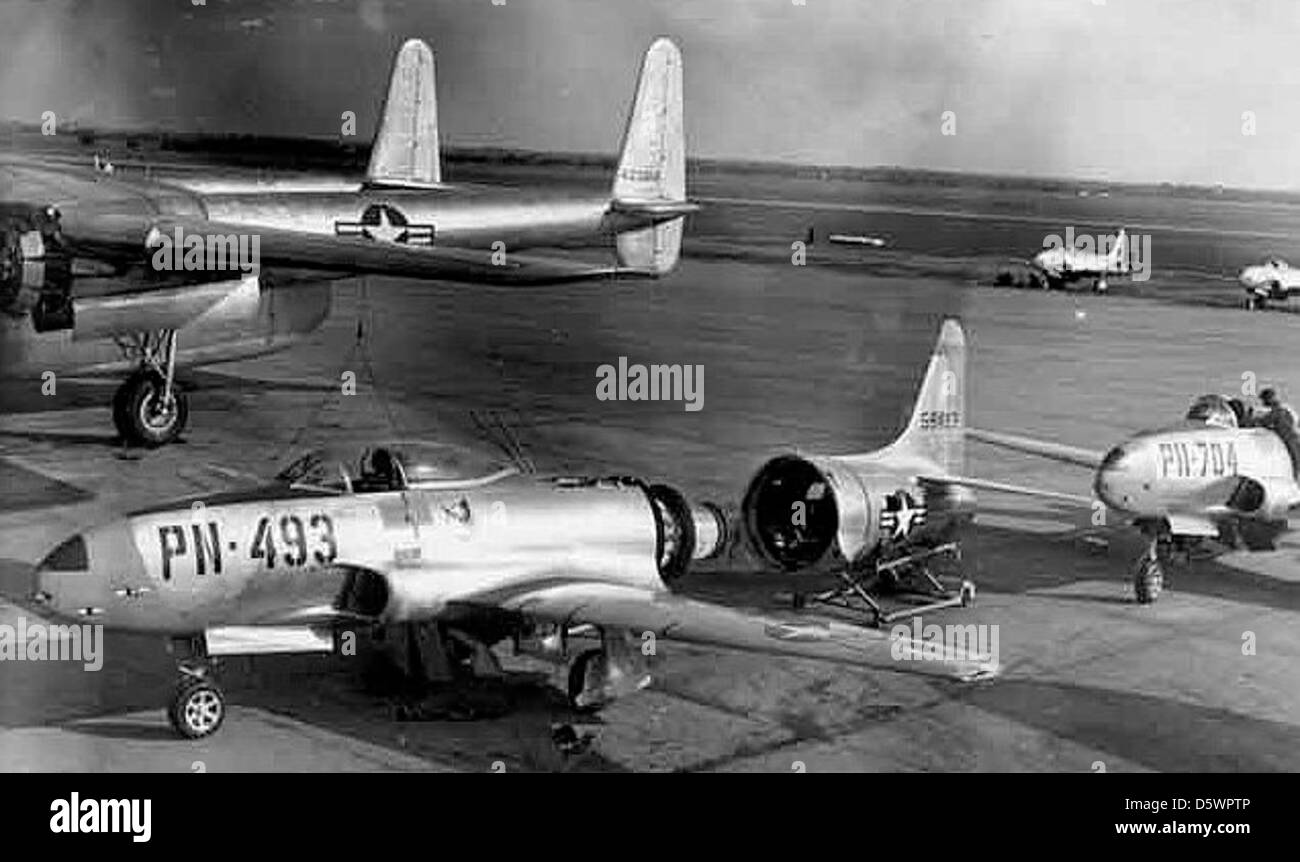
(122, 239)
(676, 617)
(1042, 448)
(1004, 488)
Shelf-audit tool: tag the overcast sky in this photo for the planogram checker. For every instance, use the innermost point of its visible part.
(1132, 90)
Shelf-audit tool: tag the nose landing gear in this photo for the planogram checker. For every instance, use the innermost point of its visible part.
(1149, 574)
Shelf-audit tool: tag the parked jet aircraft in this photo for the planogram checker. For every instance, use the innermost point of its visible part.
(1206, 477)
(1274, 280)
(882, 513)
(419, 534)
(1060, 265)
(100, 271)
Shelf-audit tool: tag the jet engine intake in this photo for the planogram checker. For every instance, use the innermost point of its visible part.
(805, 511)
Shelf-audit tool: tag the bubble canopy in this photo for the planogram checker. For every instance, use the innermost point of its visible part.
(1213, 410)
(349, 469)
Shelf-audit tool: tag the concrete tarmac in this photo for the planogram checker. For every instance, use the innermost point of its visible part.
(818, 358)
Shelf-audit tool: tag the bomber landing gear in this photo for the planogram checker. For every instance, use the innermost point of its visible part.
(149, 409)
(198, 705)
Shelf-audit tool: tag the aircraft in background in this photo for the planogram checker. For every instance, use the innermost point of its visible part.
(1272, 281)
(420, 535)
(88, 285)
(1204, 478)
(1055, 267)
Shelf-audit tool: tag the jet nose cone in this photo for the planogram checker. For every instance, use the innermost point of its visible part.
(1111, 480)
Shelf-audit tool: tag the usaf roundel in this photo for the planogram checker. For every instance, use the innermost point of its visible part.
(386, 223)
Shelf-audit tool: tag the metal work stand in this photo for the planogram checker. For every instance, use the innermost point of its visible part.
(904, 572)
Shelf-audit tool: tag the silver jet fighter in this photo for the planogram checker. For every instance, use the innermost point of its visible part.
(1206, 477)
(421, 535)
(875, 519)
(103, 273)
(1274, 280)
(1060, 265)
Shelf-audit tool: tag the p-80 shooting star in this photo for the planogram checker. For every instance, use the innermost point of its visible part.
(420, 535)
(1207, 477)
(1271, 281)
(875, 519)
(1062, 264)
(102, 271)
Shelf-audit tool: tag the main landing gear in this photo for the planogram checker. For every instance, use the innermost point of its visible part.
(149, 409)
(198, 705)
(903, 571)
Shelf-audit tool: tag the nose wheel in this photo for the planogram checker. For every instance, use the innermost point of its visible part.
(1149, 575)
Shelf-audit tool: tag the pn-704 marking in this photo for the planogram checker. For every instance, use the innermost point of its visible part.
(1197, 459)
(207, 545)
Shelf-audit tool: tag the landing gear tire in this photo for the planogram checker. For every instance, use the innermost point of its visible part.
(141, 417)
(578, 681)
(197, 709)
(1149, 580)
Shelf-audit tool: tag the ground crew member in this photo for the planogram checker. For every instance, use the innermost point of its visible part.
(1281, 420)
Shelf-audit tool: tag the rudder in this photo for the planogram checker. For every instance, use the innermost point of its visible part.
(405, 152)
(652, 166)
(936, 430)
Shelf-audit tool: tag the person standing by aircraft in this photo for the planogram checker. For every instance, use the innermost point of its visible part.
(1281, 419)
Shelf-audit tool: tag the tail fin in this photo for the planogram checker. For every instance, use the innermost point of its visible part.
(1118, 257)
(937, 427)
(405, 152)
(652, 168)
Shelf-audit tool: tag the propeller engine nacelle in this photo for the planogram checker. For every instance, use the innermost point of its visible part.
(804, 511)
(35, 270)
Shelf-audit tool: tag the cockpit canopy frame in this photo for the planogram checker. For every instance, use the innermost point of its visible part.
(1216, 410)
(399, 466)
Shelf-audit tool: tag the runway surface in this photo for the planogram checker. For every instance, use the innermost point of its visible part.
(819, 357)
